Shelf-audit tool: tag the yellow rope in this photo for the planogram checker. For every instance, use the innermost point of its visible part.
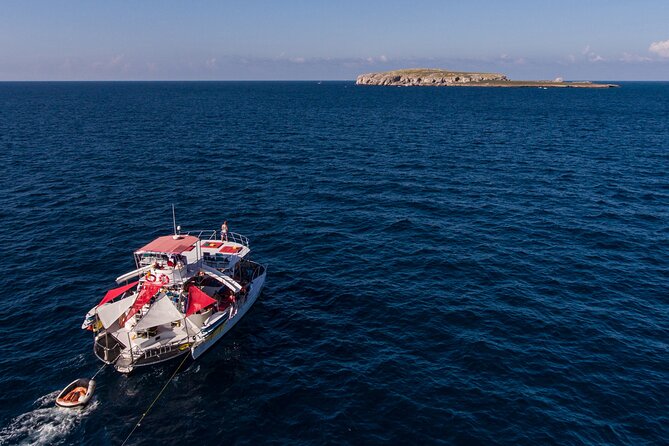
(146, 412)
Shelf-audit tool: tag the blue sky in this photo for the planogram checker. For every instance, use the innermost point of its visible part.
(257, 40)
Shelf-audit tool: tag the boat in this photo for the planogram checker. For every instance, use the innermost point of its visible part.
(77, 393)
(186, 292)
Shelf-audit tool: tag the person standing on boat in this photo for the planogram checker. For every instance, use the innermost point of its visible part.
(224, 231)
(232, 301)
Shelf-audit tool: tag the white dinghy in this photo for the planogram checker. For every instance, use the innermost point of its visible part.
(77, 393)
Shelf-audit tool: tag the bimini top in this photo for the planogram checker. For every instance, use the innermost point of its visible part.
(169, 245)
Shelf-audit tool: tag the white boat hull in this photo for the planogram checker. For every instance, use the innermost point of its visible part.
(189, 293)
(79, 399)
(205, 343)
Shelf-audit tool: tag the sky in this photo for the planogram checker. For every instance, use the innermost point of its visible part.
(333, 40)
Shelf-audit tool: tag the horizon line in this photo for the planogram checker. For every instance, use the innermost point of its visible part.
(287, 80)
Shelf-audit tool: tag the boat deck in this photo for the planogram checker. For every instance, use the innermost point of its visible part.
(222, 255)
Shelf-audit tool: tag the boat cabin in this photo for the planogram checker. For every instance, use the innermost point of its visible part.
(179, 251)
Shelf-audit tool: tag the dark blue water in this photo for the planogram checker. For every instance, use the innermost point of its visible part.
(446, 266)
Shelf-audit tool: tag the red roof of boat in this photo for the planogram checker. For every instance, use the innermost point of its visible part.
(169, 245)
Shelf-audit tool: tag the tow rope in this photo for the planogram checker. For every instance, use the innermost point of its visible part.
(146, 412)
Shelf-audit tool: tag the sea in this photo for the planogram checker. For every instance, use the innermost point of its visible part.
(448, 266)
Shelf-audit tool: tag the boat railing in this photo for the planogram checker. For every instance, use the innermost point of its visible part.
(207, 234)
(202, 234)
(258, 271)
(159, 350)
(238, 238)
(106, 353)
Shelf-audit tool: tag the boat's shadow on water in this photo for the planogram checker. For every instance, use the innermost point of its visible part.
(219, 364)
(221, 360)
(163, 390)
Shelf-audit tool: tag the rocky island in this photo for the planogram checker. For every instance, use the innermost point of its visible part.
(426, 77)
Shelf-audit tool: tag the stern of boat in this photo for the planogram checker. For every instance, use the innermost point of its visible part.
(107, 348)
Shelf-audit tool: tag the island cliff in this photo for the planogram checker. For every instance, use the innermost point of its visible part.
(424, 77)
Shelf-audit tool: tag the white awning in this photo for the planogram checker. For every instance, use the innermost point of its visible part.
(161, 312)
(122, 337)
(192, 328)
(132, 274)
(109, 313)
(225, 280)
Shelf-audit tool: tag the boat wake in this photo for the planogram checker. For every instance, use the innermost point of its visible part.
(47, 424)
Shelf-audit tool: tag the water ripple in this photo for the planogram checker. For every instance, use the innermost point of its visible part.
(446, 266)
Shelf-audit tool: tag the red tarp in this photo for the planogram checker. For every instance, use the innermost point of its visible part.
(112, 294)
(148, 291)
(168, 244)
(197, 300)
(231, 249)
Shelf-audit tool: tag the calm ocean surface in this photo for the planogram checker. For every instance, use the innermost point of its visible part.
(446, 266)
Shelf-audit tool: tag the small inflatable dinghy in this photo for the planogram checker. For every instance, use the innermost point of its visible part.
(77, 393)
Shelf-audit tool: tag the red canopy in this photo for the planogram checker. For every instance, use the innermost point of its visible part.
(148, 291)
(197, 300)
(112, 294)
(168, 244)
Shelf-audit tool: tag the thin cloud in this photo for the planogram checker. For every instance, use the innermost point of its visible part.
(633, 58)
(116, 63)
(506, 59)
(373, 60)
(116, 60)
(660, 48)
(591, 56)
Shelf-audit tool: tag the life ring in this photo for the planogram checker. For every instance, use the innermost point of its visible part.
(164, 279)
(150, 277)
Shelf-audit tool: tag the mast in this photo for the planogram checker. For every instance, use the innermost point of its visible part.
(174, 221)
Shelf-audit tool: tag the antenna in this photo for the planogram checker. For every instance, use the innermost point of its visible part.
(174, 221)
